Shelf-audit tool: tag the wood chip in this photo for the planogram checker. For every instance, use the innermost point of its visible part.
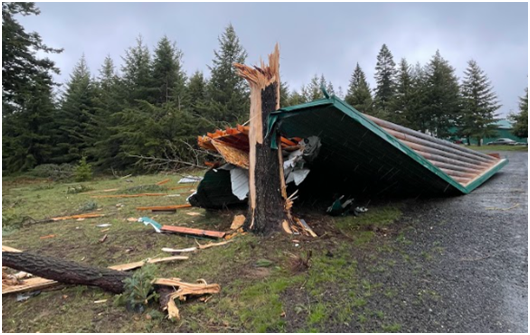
(194, 214)
(238, 221)
(47, 236)
(101, 240)
(100, 301)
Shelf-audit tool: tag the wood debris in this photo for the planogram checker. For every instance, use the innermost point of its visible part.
(162, 182)
(97, 191)
(211, 244)
(305, 227)
(193, 231)
(163, 208)
(47, 236)
(42, 283)
(79, 216)
(194, 214)
(238, 222)
(130, 195)
(100, 301)
(183, 290)
(179, 250)
(104, 238)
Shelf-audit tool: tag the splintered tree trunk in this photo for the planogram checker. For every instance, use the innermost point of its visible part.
(65, 271)
(267, 194)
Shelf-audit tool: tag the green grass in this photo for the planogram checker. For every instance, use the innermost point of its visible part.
(361, 228)
(495, 148)
(253, 298)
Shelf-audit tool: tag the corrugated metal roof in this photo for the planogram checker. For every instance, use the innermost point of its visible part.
(358, 151)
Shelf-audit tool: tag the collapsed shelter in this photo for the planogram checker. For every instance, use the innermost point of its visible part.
(329, 147)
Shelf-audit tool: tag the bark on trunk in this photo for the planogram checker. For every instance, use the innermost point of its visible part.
(267, 196)
(66, 272)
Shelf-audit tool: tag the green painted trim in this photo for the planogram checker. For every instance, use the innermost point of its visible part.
(485, 176)
(339, 104)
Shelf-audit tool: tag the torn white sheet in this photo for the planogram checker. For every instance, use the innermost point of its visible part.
(239, 180)
(299, 176)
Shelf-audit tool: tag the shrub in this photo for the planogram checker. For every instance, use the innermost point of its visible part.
(53, 171)
(83, 171)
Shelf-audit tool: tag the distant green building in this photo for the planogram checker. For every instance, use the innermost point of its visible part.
(504, 130)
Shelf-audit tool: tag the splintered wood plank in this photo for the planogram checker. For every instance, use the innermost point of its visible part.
(163, 208)
(193, 231)
(80, 216)
(129, 195)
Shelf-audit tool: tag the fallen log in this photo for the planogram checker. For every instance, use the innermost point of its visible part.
(42, 283)
(66, 272)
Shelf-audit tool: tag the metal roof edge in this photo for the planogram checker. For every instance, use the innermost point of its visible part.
(485, 176)
(359, 117)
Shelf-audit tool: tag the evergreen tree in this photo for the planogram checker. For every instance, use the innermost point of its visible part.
(109, 99)
(168, 76)
(75, 116)
(401, 112)
(137, 78)
(296, 98)
(284, 94)
(227, 92)
(416, 116)
(520, 127)
(27, 101)
(197, 92)
(385, 82)
(358, 95)
(441, 97)
(479, 104)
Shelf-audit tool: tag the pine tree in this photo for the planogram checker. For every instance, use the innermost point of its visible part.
(137, 77)
(27, 101)
(479, 104)
(168, 76)
(227, 92)
(401, 103)
(520, 127)
(284, 94)
(416, 116)
(109, 99)
(442, 97)
(385, 82)
(358, 95)
(75, 116)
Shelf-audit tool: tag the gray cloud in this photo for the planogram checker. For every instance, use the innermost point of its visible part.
(314, 38)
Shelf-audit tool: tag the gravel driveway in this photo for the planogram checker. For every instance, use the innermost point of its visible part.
(481, 276)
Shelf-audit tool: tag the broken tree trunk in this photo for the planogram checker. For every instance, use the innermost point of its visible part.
(267, 194)
(65, 271)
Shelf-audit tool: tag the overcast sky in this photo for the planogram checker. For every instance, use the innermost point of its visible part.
(315, 38)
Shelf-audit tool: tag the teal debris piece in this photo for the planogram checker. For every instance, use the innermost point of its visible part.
(148, 221)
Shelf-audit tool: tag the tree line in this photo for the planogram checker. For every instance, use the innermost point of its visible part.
(150, 107)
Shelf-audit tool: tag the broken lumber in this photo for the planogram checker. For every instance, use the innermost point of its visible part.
(305, 227)
(79, 216)
(182, 291)
(211, 244)
(163, 208)
(129, 195)
(162, 182)
(193, 231)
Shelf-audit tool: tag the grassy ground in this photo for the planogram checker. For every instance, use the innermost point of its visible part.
(495, 148)
(338, 292)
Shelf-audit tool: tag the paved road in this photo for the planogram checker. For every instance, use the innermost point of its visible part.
(475, 276)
